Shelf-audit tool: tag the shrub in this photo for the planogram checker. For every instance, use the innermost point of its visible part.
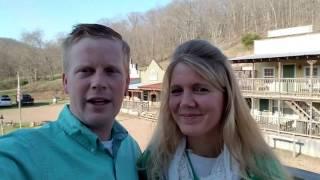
(8, 84)
(248, 39)
(24, 82)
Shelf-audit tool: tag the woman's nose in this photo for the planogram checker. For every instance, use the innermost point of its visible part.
(187, 99)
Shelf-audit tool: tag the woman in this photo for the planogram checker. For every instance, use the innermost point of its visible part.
(205, 130)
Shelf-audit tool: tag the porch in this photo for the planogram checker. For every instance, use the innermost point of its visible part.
(288, 88)
(286, 125)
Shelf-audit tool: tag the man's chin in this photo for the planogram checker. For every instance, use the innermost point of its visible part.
(100, 119)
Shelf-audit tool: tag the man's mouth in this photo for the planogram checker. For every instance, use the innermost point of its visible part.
(98, 101)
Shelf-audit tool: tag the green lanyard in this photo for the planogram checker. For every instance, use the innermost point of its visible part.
(195, 177)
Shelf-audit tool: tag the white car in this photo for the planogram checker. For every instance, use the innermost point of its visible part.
(5, 100)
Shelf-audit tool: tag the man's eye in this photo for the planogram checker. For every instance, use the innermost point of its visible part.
(85, 70)
(111, 70)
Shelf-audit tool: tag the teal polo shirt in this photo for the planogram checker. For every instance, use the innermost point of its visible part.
(66, 149)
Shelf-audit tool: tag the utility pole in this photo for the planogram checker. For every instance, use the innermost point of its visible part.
(1, 124)
(19, 100)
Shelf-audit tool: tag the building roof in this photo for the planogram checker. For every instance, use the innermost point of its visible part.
(134, 86)
(272, 57)
(143, 68)
(164, 63)
(154, 86)
(135, 80)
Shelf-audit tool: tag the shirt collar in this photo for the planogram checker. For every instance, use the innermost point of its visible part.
(84, 136)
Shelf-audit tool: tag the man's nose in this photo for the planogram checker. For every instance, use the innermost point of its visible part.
(187, 100)
(99, 81)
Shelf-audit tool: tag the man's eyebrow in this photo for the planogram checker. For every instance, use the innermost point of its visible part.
(81, 65)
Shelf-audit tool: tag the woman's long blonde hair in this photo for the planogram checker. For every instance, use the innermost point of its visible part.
(240, 131)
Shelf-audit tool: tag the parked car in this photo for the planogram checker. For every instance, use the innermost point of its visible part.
(26, 99)
(5, 100)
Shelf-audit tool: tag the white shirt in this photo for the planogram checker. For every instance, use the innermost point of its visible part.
(203, 165)
(222, 167)
(108, 145)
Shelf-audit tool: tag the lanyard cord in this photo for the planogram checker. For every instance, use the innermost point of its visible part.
(195, 177)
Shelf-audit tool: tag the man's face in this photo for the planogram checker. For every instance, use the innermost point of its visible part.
(96, 81)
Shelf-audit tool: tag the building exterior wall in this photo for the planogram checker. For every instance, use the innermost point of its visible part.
(285, 104)
(300, 68)
(304, 145)
(153, 73)
(299, 43)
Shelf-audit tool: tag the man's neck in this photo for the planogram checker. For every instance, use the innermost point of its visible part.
(103, 133)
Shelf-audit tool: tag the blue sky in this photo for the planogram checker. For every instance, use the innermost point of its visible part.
(56, 16)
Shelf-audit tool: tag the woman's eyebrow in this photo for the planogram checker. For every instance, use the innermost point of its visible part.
(174, 86)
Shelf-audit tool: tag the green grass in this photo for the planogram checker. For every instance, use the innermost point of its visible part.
(41, 86)
(38, 86)
(11, 92)
(40, 90)
(7, 128)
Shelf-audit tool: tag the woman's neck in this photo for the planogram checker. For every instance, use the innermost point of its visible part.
(206, 146)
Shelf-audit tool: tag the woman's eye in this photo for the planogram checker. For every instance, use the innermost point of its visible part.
(201, 89)
(175, 91)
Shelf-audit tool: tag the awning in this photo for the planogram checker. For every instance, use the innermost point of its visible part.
(276, 57)
(151, 87)
(135, 80)
(135, 86)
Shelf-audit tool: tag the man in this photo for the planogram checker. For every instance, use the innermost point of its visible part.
(85, 142)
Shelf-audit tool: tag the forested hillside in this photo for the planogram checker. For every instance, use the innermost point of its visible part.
(154, 34)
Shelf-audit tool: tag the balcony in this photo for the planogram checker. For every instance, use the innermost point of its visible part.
(284, 88)
(288, 125)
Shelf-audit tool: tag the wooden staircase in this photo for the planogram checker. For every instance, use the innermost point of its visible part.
(297, 109)
(316, 112)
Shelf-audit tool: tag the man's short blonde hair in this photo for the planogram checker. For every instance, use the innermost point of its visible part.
(81, 31)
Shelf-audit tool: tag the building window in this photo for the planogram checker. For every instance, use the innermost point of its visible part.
(268, 72)
(145, 96)
(264, 105)
(307, 71)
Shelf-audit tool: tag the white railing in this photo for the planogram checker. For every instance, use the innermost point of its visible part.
(282, 124)
(138, 106)
(284, 86)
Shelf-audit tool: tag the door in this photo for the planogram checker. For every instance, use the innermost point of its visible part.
(264, 105)
(288, 72)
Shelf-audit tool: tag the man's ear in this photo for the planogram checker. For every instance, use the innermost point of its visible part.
(65, 83)
(127, 85)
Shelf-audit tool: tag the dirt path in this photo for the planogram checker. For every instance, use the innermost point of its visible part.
(301, 162)
(142, 130)
(32, 113)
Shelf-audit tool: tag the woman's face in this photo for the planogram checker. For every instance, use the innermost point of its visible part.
(195, 105)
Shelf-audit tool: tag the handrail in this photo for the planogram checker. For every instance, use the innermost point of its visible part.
(299, 87)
